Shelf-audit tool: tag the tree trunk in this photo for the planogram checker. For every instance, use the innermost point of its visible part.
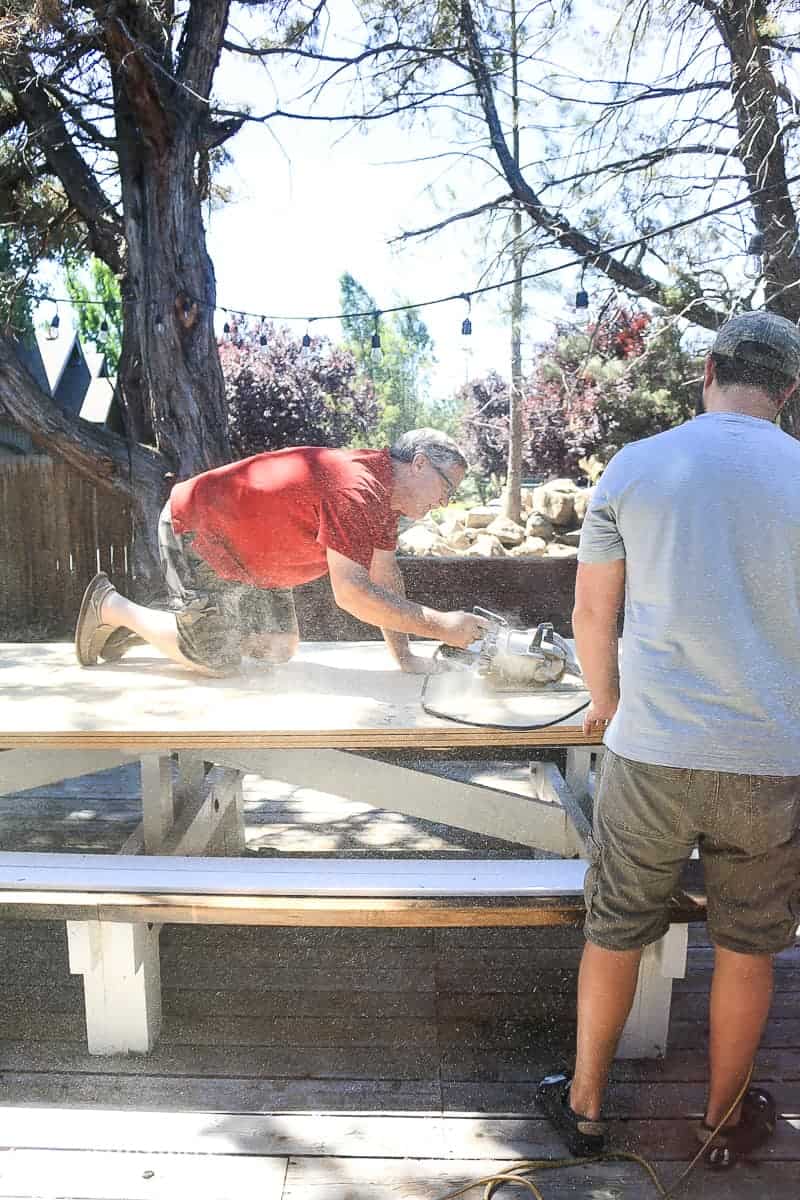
(512, 497)
(170, 381)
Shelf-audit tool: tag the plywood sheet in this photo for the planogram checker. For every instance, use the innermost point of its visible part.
(333, 694)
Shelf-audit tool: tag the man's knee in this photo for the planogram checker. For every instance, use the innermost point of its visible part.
(273, 647)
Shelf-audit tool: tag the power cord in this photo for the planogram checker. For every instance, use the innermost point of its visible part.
(434, 712)
(518, 1173)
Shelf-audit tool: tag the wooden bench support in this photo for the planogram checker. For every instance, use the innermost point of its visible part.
(121, 983)
(645, 1034)
(114, 907)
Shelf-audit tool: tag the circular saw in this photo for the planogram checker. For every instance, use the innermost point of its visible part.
(512, 659)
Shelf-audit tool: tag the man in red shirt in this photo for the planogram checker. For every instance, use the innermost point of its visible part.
(235, 540)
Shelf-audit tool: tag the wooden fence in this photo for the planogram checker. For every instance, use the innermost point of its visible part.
(56, 531)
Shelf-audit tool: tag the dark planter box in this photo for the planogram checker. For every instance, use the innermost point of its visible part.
(524, 590)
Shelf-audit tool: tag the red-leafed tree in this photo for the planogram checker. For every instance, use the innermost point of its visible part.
(590, 393)
(279, 393)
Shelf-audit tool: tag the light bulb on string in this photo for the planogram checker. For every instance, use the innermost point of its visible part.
(375, 353)
(582, 300)
(755, 255)
(305, 345)
(52, 328)
(466, 324)
(159, 323)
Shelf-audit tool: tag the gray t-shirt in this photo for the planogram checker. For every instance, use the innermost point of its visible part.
(707, 518)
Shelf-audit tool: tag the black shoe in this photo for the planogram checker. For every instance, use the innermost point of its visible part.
(583, 1138)
(756, 1126)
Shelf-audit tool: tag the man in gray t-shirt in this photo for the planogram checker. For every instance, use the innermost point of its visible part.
(698, 529)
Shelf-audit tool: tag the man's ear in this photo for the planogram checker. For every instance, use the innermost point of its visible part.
(789, 392)
(709, 371)
(418, 461)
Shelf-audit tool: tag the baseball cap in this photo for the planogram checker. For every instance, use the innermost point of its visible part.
(763, 339)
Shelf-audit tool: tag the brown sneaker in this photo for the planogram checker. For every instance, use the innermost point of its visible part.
(91, 634)
(120, 642)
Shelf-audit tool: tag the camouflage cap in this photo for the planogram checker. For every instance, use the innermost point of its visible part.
(763, 339)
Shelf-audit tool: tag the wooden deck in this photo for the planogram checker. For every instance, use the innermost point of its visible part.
(353, 1064)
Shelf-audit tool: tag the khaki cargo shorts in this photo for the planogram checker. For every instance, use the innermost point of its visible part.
(647, 821)
(216, 615)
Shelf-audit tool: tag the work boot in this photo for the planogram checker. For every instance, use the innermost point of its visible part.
(91, 634)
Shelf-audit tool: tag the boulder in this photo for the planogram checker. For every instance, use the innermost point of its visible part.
(460, 539)
(509, 532)
(556, 500)
(419, 540)
(581, 502)
(538, 526)
(481, 516)
(558, 550)
(532, 547)
(486, 545)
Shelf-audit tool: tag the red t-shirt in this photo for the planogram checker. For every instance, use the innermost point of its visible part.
(268, 520)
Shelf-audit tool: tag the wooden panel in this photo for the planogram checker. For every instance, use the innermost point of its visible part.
(338, 877)
(367, 913)
(104, 1175)
(331, 695)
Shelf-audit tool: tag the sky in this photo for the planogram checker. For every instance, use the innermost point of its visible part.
(313, 199)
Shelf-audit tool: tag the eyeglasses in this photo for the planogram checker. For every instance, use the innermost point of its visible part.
(452, 488)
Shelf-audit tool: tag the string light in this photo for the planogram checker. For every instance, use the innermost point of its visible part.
(159, 323)
(52, 328)
(305, 346)
(376, 354)
(466, 324)
(582, 296)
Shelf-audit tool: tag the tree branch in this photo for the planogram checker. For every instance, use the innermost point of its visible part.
(46, 125)
(463, 216)
(565, 234)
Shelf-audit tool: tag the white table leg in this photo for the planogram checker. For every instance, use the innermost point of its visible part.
(121, 983)
(158, 808)
(645, 1034)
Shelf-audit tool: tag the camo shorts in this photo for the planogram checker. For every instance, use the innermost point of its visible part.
(648, 819)
(217, 617)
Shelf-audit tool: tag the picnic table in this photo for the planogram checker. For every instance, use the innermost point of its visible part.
(303, 722)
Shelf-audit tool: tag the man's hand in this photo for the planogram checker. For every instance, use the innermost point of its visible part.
(598, 716)
(461, 628)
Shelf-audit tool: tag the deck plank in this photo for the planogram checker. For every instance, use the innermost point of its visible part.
(341, 1063)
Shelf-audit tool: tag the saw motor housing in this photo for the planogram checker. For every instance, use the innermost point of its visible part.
(508, 657)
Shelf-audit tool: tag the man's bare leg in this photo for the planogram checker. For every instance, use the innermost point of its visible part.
(157, 628)
(741, 994)
(606, 987)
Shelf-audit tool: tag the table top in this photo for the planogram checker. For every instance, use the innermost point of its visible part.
(337, 695)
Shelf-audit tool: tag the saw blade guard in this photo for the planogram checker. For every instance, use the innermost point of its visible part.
(527, 657)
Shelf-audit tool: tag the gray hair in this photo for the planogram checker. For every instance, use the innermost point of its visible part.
(439, 447)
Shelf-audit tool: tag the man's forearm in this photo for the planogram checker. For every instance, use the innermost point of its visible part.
(379, 606)
(597, 644)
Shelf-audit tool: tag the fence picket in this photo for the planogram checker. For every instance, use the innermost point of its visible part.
(53, 526)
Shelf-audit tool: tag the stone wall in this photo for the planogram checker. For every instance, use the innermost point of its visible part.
(549, 527)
